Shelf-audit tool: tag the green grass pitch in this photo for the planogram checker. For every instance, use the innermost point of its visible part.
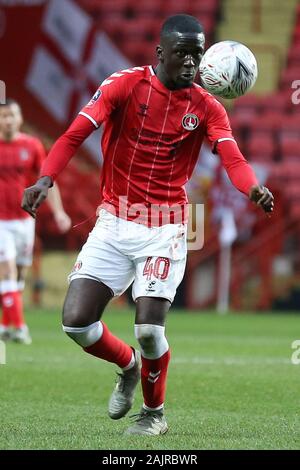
(231, 386)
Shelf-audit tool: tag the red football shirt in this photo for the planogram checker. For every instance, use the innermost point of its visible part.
(151, 142)
(152, 136)
(20, 163)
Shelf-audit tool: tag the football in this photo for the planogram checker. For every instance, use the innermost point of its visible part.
(228, 69)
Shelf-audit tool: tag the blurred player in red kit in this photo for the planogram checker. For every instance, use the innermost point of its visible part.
(21, 157)
(155, 119)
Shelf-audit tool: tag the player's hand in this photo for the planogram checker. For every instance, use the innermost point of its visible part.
(63, 221)
(262, 197)
(35, 195)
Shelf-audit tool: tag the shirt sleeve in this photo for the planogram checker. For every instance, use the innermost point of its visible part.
(217, 125)
(220, 136)
(65, 147)
(110, 95)
(240, 173)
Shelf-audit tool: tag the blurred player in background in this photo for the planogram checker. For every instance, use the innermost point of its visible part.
(21, 157)
(155, 121)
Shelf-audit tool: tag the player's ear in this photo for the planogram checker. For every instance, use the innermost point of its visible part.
(160, 53)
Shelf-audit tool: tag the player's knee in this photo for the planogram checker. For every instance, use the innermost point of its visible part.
(86, 335)
(73, 315)
(8, 270)
(152, 340)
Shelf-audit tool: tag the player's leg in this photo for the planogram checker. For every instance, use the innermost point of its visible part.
(23, 233)
(21, 333)
(11, 299)
(21, 276)
(160, 282)
(100, 273)
(84, 305)
(8, 289)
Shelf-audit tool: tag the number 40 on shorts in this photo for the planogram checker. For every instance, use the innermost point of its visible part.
(157, 267)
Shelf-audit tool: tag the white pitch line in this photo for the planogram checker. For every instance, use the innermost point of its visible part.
(229, 361)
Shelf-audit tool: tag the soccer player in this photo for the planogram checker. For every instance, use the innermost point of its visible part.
(21, 156)
(155, 119)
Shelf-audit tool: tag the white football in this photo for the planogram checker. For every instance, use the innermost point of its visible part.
(228, 69)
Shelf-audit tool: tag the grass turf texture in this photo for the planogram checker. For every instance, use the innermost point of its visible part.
(231, 386)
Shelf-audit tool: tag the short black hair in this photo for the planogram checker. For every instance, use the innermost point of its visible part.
(181, 24)
(10, 101)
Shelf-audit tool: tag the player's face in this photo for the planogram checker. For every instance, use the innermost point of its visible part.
(10, 120)
(180, 55)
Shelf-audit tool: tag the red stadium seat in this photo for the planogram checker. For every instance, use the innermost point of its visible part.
(261, 148)
(276, 102)
(276, 172)
(289, 75)
(289, 128)
(294, 56)
(290, 170)
(290, 149)
(172, 7)
(248, 102)
(109, 8)
(294, 191)
(239, 121)
(134, 29)
(139, 52)
(210, 6)
(296, 36)
(295, 210)
(266, 122)
(148, 8)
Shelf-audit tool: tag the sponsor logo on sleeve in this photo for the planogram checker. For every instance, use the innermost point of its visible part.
(95, 98)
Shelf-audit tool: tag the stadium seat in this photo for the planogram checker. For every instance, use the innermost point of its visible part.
(249, 102)
(243, 118)
(289, 128)
(290, 149)
(170, 7)
(294, 56)
(290, 170)
(295, 210)
(266, 122)
(148, 9)
(296, 35)
(276, 172)
(294, 191)
(201, 8)
(140, 52)
(289, 75)
(261, 147)
(109, 9)
(279, 102)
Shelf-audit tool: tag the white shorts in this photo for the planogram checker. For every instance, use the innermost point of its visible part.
(16, 240)
(119, 251)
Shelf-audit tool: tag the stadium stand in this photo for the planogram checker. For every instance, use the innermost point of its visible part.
(134, 26)
(266, 123)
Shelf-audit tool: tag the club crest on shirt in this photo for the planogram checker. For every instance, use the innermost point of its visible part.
(77, 266)
(24, 154)
(95, 98)
(190, 121)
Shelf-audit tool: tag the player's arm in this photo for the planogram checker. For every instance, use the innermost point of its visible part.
(62, 219)
(59, 156)
(111, 94)
(238, 169)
